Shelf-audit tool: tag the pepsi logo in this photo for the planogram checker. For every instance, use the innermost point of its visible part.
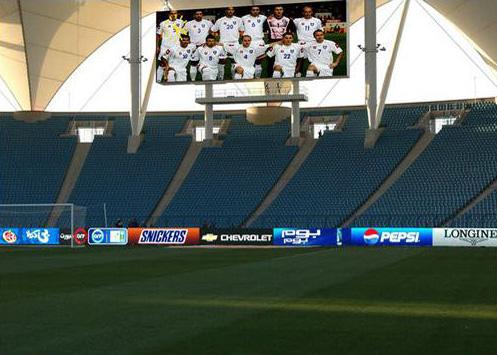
(371, 236)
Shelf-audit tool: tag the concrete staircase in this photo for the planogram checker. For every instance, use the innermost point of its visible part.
(484, 194)
(306, 147)
(409, 159)
(77, 162)
(183, 170)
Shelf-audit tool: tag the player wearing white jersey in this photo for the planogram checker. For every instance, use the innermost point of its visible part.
(245, 56)
(209, 56)
(288, 57)
(169, 32)
(320, 55)
(306, 26)
(198, 28)
(230, 28)
(176, 59)
(253, 25)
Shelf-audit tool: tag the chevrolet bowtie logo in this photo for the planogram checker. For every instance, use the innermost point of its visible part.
(209, 237)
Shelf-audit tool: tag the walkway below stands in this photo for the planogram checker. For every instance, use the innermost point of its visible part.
(306, 148)
(410, 158)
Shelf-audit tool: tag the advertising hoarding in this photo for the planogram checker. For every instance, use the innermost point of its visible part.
(164, 236)
(237, 237)
(302, 237)
(389, 236)
(40, 236)
(10, 236)
(107, 236)
(465, 237)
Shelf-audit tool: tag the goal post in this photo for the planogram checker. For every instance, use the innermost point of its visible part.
(38, 222)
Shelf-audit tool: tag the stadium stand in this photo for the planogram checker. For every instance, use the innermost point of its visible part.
(402, 117)
(484, 214)
(228, 183)
(483, 116)
(33, 160)
(129, 184)
(459, 163)
(339, 175)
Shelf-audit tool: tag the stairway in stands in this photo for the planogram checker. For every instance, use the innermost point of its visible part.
(227, 183)
(130, 185)
(457, 166)
(34, 158)
(339, 175)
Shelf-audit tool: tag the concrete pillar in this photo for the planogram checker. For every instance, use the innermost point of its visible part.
(295, 119)
(209, 114)
(391, 65)
(370, 59)
(135, 69)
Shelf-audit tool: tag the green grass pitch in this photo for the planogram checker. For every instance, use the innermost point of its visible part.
(248, 301)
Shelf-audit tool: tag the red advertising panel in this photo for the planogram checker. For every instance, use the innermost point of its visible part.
(80, 236)
(163, 236)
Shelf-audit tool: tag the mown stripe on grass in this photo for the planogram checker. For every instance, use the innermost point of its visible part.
(484, 312)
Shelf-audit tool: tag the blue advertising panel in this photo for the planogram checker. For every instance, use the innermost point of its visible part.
(10, 236)
(108, 236)
(389, 236)
(302, 237)
(40, 236)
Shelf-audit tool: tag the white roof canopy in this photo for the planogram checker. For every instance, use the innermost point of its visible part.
(42, 42)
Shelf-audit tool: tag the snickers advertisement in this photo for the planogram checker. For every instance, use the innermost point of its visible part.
(163, 236)
(236, 237)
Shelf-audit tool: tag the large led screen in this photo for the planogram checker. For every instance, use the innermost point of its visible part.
(260, 42)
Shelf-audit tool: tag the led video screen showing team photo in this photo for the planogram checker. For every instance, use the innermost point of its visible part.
(305, 40)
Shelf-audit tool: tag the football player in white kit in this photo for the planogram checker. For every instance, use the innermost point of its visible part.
(306, 26)
(320, 55)
(230, 28)
(208, 57)
(288, 57)
(253, 24)
(176, 59)
(168, 33)
(245, 56)
(198, 28)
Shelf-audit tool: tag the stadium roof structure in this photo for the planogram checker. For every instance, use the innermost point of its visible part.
(43, 43)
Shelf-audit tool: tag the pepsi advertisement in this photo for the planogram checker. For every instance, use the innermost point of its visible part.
(108, 236)
(301, 237)
(389, 236)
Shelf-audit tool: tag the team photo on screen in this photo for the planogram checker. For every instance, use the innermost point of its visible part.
(255, 42)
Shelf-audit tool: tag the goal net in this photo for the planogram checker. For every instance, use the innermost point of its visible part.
(40, 224)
